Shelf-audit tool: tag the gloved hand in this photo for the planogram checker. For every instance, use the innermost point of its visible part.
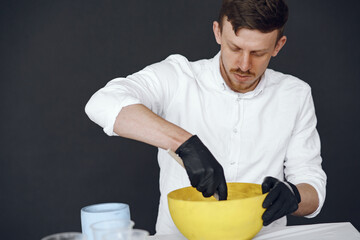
(204, 171)
(283, 199)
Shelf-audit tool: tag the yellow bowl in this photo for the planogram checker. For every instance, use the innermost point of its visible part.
(199, 218)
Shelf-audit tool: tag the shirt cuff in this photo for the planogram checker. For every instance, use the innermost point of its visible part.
(109, 126)
(321, 202)
(320, 193)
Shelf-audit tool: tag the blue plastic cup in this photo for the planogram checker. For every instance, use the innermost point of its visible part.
(102, 212)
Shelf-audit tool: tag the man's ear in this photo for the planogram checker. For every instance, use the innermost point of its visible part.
(217, 31)
(280, 43)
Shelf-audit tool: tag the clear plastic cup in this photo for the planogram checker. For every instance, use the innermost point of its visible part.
(66, 236)
(100, 229)
(135, 234)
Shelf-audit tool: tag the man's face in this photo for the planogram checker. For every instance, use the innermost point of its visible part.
(245, 55)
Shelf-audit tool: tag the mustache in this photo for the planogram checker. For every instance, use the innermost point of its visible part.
(242, 73)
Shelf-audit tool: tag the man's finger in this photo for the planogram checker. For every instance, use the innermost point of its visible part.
(268, 184)
(272, 212)
(271, 197)
(222, 190)
(210, 188)
(204, 184)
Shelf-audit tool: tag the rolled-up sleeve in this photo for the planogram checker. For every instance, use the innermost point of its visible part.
(303, 160)
(151, 87)
(104, 106)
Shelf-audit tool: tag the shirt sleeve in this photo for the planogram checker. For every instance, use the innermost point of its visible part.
(303, 160)
(153, 87)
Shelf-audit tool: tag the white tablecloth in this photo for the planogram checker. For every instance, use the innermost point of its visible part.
(323, 231)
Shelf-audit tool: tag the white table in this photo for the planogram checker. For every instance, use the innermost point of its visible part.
(323, 231)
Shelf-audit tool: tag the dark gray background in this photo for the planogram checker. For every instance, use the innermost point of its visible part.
(56, 54)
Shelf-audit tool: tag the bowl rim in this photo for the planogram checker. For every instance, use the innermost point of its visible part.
(215, 202)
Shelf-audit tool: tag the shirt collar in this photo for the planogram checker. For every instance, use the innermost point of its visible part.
(220, 83)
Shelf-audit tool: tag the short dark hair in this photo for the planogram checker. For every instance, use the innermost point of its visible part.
(263, 15)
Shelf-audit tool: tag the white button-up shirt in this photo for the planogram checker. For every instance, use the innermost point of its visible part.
(270, 131)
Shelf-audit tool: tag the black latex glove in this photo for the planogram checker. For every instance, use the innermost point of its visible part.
(283, 199)
(204, 171)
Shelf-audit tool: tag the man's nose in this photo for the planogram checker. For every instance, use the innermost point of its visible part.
(244, 62)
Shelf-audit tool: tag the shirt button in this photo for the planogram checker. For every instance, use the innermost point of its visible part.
(235, 130)
(238, 99)
(232, 163)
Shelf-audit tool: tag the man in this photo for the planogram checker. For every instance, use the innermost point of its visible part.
(229, 118)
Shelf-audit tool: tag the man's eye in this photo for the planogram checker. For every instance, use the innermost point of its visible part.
(258, 54)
